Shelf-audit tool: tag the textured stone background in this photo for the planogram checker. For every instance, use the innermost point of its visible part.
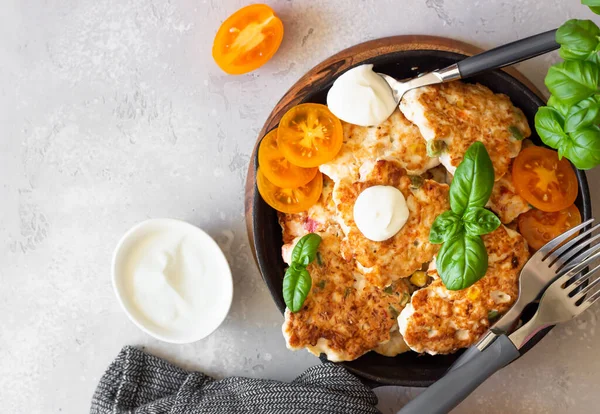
(113, 111)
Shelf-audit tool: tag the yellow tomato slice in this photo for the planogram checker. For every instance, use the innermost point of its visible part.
(289, 200)
(309, 135)
(277, 169)
(247, 39)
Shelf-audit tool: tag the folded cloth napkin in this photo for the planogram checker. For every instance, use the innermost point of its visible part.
(137, 383)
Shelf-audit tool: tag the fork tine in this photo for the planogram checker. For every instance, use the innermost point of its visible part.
(581, 281)
(589, 302)
(570, 274)
(554, 243)
(563, 254)
(585, 292)
(579, 258)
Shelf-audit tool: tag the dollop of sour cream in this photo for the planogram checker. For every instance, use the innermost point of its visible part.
(380, 212)
(166, 276)
(361, 97)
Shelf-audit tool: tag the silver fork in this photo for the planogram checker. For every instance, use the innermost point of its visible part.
(560, 302)
(541, 269)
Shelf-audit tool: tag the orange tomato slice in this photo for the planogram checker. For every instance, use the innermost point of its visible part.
(247, 39)
(546, 182)
(289, 200)
(277, 169)
(309, 135)
(539, 227)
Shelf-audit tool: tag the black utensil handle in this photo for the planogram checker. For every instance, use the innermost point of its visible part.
(471, 353)
(509, 54)
(457, 384)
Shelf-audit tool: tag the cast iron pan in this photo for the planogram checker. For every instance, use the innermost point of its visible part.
(408, 369)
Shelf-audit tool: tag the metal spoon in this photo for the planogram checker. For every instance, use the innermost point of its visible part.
(499, 57)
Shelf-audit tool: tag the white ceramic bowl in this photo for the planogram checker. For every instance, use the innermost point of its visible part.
(219, 281)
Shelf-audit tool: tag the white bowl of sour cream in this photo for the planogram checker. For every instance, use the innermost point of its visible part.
(172, 280)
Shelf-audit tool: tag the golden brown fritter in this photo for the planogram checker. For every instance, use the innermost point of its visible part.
(395, 346)
(505, 201)
(440, 321)
(461, 113)
(318, 217)
(405, 252)
(394, 139)
(342, 316)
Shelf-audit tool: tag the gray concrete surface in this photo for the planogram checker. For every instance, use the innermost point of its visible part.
(113, 111)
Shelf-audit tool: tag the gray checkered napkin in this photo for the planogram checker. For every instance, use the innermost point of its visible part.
(137, 383)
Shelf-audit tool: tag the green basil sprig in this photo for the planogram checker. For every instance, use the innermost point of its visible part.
(569, 123)
(577, 138)
(558, 105)
(572, 81)
(594, 5)
(586, 113)
(462, 259)
(305, 251)
(445, 227)
(473, 181)
(578, 39)
(479, 221)
(297, 281)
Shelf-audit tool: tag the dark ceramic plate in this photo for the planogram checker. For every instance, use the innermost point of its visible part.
(408, 369)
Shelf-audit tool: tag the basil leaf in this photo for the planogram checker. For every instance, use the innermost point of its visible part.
(445, 227)
(462, 261)
(578, 39)
(573, 80)
(583, 148)
(558, 105)
(594, 5)
(296, 285)
(584, 114)
(480, 221)
(473, 180)
(305, 250)
(549, 126)
(594, 58)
